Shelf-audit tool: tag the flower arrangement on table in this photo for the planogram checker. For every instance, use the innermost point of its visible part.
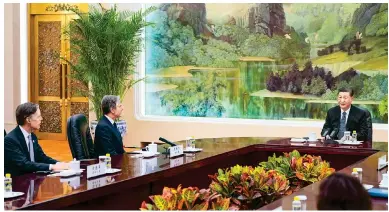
(246, 187)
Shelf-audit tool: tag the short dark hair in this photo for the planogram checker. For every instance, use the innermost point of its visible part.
(109, 102)
(340, 191)
(25, 110)
(349, 90)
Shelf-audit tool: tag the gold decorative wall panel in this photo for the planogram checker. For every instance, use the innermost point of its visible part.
(52, 117)
(77, 88)
(49, 48)
(51, 84)
(80, 107)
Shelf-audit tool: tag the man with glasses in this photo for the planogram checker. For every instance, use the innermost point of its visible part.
(22, 152)
(107, 135)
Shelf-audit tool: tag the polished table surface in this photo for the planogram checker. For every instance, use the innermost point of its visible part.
(44, 192)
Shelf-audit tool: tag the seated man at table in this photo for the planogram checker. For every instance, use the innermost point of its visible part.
(22, 152)
(107, 135)
(347, 117)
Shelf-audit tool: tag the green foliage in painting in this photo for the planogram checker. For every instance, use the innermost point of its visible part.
(383, 108)
(172, 44)
(379, 23)
(317, 87)
(198, 98)
(371, 90)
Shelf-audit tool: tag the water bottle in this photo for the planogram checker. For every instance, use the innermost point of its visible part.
(354, 136)
(355, 173)
(360, 171)
(193, 142)
(8, 183)
(303, 200)
(296, 204)
(108, 160)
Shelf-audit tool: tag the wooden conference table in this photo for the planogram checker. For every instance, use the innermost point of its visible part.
(140, 177)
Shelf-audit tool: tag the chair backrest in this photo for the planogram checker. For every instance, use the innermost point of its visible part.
(369, 126)
(79, 137)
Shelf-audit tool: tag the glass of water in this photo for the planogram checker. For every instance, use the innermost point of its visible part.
(347, 136)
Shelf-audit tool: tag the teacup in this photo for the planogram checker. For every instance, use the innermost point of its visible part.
(103, 159)
(384, 180)
(312, 136)
(74, 165)
(152, 148)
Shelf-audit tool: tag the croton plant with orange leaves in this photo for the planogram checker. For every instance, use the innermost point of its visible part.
(300, 170)
(246, 187)
(190, 198)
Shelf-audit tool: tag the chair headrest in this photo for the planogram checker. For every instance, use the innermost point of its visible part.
(78, 120)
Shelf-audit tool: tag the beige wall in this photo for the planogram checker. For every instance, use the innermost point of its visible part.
(11, 63)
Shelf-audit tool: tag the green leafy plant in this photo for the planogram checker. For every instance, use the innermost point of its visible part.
(106, 44)
(311, 168)
(281, 164)
(300, 170)
(249, 187)
(190, 198)
(246, 187)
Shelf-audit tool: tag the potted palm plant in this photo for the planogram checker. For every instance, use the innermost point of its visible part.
(106, 44)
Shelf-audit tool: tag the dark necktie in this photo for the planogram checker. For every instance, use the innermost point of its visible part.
(31, 148)
(116, 127)
(342, 127)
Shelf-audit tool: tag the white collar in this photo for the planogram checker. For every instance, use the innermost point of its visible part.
(25, 133)
(110, 120)
(347, 111)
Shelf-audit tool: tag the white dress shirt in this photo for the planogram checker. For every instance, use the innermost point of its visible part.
(347, 111)
(26, 134)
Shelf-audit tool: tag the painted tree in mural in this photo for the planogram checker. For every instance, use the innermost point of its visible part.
(315, 49)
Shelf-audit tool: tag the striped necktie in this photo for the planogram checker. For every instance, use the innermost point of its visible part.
(342, 127)
(31, 148)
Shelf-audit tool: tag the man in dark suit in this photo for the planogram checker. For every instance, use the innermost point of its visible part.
(107, 135)
(22, 152)
(347, 117)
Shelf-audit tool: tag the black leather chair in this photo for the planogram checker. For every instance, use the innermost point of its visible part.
(5, 133)
(370, 127)
(79, 137)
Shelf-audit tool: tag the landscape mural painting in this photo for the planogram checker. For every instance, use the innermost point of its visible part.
(265, 61)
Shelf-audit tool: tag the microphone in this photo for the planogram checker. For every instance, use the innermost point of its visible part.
(334, 132)
(166, 141)
(326, 132)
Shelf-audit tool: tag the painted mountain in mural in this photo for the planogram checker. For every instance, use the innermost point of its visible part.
(265, 60)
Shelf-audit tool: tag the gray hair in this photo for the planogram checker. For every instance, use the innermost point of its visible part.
(109, 102)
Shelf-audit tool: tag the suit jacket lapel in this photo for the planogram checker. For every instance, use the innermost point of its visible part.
(117, 133)
(337, 117)
(115, 130)
(22, 141)
(350, 115)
